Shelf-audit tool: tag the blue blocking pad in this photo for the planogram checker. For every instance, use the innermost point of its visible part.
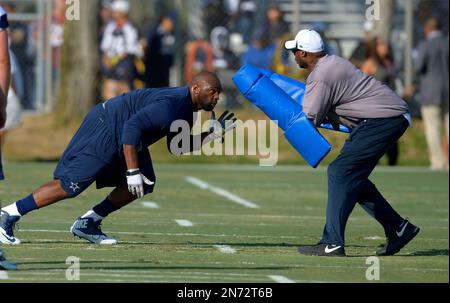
(310, 144)
(258, 88)
(274, 102)
(296, 90)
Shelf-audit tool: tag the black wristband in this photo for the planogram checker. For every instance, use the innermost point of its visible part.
(4, 22)
(132, 173)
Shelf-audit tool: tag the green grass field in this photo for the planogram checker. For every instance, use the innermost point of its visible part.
(262, 241)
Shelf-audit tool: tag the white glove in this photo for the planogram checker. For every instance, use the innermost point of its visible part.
(135, 181)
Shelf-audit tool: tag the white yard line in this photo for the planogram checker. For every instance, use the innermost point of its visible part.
(149, 204)
(281, 279)
(184, 223)
(221, 192)
(3, 275)
(226, 249)
(374, 238)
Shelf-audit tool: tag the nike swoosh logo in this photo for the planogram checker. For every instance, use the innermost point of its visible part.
(330, 250)
(11, 239)
(399, 234)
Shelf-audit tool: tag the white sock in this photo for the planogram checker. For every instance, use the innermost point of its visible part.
(12, 210)
(92, 214)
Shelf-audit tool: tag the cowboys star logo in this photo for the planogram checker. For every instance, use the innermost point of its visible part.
(74, 187)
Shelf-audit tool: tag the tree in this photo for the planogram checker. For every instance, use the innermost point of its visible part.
(80, 62)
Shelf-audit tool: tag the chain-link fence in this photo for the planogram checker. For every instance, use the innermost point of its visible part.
(160, 43)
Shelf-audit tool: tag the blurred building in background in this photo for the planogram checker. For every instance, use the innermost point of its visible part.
(183, 37)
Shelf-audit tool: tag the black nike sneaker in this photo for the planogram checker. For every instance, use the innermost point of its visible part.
(322, 249)
(405, 233)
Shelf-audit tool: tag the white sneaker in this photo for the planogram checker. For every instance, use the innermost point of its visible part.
(7, 224)
(88, 229)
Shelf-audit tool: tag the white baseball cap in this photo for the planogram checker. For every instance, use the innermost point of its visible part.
(120, 6)
(306, 40)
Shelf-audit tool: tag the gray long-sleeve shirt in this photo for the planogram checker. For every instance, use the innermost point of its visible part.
(340, 92)
(432, 67)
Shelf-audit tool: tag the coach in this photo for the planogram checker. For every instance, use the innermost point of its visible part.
(338, 91)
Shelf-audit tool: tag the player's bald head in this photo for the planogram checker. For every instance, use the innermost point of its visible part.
(206, 77)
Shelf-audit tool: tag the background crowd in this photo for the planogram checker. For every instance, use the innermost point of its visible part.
(221, 36)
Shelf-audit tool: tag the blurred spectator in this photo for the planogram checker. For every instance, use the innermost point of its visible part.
(199, 57)
(275, 26)
(224, 58)
(225, 64)
(432, 68)
(105, 16)
(261, 52)
(379, 63)
(243, 20)
(13, 106)
(119, 48)
(331, 47)
(57, 34)
(277, 30)
(214, 14)
(160, 52)
(359, 54)
(22, 44)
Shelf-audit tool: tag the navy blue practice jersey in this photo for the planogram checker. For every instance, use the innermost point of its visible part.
(143, 117)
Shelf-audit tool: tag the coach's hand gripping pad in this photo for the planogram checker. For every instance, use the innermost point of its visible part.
(278, 106)
(296, 90)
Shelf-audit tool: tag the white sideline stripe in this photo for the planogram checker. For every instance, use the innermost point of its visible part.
(226, 249)
(281, 279)
(184, 223)
(3, 275)
(149, 204)
(221, 192)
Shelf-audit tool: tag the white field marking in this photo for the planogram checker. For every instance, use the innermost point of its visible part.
(221, 192)
(150, 204)
(281, 279)
(374, 238)
(184, 223)
(226, 249)
(3, 275)
(186, 235)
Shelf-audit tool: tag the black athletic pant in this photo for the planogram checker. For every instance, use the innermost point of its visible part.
(348, 175)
